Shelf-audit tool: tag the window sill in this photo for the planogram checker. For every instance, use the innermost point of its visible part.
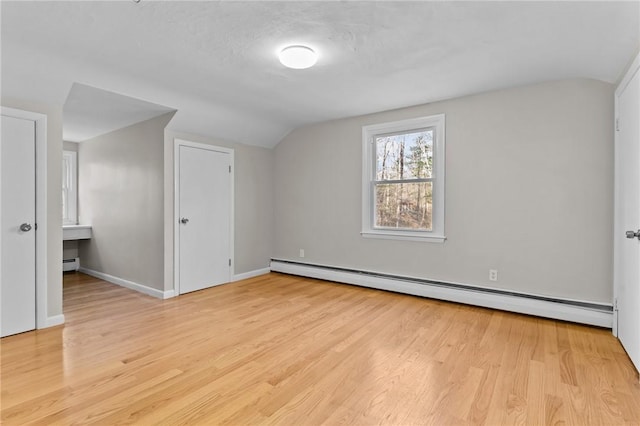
(401, 236)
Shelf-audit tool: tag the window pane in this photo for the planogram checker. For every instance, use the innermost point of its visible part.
(404, 156)
(404, 205)
(65, 203)
(66, 176)
(69, 187)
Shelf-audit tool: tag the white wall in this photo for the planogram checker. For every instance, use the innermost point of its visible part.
(121, 197)
(54, 197)
(253, 208)
(529, 191)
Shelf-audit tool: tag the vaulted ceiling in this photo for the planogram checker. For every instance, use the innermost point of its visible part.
(216, 63)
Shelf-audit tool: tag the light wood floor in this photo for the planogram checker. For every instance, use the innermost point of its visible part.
(279, 349)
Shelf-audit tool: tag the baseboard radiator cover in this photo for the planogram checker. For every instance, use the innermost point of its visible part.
(582, 312)
(72, 264)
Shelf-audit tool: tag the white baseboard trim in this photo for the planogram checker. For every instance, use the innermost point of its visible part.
(250, 274)
(128, 284)
(524, 304)
(53, 321)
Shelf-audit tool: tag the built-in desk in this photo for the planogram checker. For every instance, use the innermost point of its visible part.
(76, 232)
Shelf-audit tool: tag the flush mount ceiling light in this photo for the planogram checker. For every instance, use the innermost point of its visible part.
(298, 57)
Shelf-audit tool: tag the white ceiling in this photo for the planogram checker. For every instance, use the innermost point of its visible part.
(216, 63)
(89, 112)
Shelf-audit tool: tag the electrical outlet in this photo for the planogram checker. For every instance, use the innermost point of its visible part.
(301, 253)
(493, 275)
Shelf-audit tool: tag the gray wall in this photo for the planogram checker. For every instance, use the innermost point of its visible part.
(54, 197)
(529, 191)
(121, 196)
(253, 209)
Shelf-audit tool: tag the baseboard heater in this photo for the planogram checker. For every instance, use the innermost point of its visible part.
(583, 312)
(71, 264)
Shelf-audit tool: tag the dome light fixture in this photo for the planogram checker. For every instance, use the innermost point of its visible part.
(298, 57)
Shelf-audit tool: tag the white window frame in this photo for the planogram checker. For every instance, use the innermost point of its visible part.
(436, 234)
(71, 216)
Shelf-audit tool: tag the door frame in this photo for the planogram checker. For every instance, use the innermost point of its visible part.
(40, 121)
(629, 74)
(177, 143)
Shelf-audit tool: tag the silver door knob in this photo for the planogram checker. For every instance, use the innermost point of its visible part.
(25, 227)
(632, 234)
(184, 220)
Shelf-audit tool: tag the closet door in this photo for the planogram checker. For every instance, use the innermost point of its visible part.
(204, 220)
(626, 259)
(18, 226)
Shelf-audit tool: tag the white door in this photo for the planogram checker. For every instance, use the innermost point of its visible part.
(18, 223)
(627, 214)
(204, 217)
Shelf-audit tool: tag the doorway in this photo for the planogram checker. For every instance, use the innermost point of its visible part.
(113, 219)
(204, 216)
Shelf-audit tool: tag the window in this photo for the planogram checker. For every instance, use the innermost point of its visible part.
(403, 179)
(69, 188)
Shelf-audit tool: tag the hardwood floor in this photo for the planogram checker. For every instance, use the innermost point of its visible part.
(279, 349)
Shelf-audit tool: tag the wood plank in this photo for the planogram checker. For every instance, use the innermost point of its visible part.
(279, 349)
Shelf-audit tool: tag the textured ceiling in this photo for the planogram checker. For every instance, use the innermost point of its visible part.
(215, 62)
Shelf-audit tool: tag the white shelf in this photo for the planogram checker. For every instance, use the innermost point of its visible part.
(76, 232)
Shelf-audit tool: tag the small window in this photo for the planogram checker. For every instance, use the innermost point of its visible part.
(69, 188)
(403, 179)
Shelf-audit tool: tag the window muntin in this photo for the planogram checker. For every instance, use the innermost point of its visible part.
(403, 179)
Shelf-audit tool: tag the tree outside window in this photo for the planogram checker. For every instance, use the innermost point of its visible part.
(403, 185)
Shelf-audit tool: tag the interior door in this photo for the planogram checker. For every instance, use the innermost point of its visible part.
(204, 218)
(627, 215)
(18, 223)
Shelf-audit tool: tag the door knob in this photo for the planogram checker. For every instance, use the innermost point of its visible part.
(633, 234)
(184, 220)
(25, 227)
